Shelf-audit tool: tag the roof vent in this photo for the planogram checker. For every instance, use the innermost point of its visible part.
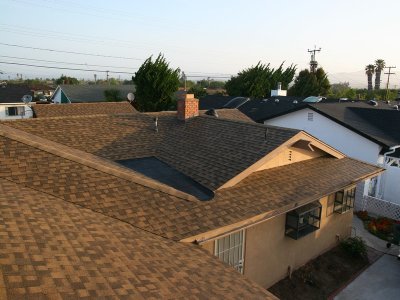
(156, 124)
(276, 100)
(212, 112)
(373, 102)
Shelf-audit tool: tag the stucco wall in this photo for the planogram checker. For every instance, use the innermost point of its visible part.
(269, 253)
(3, 114)
(291, 155)
(330, 132)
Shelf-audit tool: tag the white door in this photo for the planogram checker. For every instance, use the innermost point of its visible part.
(230, 249)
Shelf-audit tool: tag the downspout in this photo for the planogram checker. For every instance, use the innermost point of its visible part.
(382, 181)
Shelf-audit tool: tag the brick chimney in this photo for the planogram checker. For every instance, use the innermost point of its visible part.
(188, 107)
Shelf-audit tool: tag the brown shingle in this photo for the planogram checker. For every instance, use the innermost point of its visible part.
(269, 191)
(52, 249)
(210, 150)
(82, 109)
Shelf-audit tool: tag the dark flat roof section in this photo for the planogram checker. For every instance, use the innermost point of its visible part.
(160, 171)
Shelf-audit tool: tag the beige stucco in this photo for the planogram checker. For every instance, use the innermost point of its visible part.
(269, 253)
(301, 136)
(291, 155)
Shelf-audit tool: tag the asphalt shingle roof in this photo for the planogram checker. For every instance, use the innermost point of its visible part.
(74, 223)
(210, 150)
(378, 123)
(13, 93)
(82, 109)
(98, 185)
(52, 249)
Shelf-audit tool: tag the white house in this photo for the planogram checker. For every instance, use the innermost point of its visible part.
(360, 130)
(14, 111)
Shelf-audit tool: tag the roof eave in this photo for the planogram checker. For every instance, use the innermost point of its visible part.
(226, 230)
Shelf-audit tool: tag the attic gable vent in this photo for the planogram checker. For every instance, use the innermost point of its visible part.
(310, 116)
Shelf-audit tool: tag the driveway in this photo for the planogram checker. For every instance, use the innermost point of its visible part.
(380, 281)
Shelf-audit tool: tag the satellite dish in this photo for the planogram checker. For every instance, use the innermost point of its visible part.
(130, 97)
(26, 99)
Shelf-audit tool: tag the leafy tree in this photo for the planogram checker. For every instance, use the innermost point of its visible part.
(67, 80)
(310, 84)
(215, 84)
(379, 66)
(113, 95)
(113, 81)
(156, 84)
(338, 90)
(198, 91)
(258, 81)
(370, 70)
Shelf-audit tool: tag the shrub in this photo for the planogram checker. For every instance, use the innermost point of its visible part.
(112, 95)
(384, 225)
(355, 246)
(363, 215)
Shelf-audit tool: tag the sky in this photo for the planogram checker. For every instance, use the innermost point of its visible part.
(202, 38)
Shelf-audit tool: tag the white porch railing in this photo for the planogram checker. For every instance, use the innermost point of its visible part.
(378, 207)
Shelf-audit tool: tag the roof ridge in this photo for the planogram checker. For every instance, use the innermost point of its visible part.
(255, 124)
(89, 160)
(67, 117)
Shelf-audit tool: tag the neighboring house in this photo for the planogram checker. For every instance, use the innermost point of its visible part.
(88, 93)
(360, 130)
(14, 111)
(263, 199)
(12, 93)
(256, 109)
(11, 100)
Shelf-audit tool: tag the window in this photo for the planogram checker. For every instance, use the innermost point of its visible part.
(15, 111)
(303, 220)
(344, 200)
(230, 249)
(310, 116)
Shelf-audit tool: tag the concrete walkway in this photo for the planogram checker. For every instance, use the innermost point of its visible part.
(373, 241)
(380, 281)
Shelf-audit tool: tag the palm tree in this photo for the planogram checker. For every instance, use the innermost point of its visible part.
(369, 70)
(379, 66)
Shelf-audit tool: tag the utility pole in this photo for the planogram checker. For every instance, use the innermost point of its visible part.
(184, 79)
(107, 78)
(313, 61)
(387, 82)
(95, 78)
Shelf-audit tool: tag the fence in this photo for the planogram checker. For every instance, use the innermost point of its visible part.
(378, 207)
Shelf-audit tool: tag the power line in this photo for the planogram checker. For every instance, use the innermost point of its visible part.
(66, 63)
(95, 70)
(69, 52)
(63, 68)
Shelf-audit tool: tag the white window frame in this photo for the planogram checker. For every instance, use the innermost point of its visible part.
(19, 109)
(232, 251)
